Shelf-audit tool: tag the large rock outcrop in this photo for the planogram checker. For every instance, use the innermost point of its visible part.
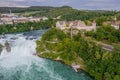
(1, 48)
(8, 48)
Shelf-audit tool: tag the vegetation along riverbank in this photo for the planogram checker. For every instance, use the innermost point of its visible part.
(56, 44)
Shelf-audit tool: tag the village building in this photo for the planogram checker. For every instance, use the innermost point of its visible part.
(62, 25)
(77, 24)
(12, 19)
(21, 20)
(31, 19)
(115, 23)
(7, 18)
(44, 18)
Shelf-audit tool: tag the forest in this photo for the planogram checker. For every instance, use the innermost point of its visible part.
(25, 9)
(105, 34)
(28, 26)
(99, 63)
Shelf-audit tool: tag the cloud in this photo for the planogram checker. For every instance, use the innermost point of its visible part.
(19, 0)
(79, 4)
(104, 4)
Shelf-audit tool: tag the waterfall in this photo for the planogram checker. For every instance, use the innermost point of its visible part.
(21, 64)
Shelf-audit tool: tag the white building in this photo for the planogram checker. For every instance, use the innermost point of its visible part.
(62, 25)
(44, 18)
(31, 19)
(7, 18)
(115, 23)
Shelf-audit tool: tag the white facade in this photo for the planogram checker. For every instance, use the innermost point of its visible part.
(44, 18)
(115, 24)
(34, 19)
(61, 24)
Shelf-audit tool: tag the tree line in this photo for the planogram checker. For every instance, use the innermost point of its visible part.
(22, 27)
(105, 33)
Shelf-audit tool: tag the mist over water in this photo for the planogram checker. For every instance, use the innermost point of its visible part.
(21, 64)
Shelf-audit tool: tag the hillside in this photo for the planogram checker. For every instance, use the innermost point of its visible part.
(59, 11)
(65, 13)
(25, 9)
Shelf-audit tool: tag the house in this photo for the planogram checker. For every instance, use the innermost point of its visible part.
(31, 19)
(21, 20)
(77, 24)
(8, 15)
(44, 18)
(7, 18)
(115, 23)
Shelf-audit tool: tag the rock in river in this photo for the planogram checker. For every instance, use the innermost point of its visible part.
(1, 48)
(8, 48)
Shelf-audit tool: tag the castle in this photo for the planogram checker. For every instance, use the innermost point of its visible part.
(77, 24)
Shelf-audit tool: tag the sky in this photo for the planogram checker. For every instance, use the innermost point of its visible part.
(77, 4)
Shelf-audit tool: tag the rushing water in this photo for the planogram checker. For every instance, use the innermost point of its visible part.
(21, 64)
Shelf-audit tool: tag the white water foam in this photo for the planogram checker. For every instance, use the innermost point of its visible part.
(21, 54)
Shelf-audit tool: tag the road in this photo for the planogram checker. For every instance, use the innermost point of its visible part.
(106, 46)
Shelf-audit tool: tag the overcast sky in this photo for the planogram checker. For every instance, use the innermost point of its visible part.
(79, 4)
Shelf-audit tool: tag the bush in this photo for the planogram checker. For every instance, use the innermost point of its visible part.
(53, 34)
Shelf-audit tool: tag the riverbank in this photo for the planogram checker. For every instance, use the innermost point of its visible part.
(51, 47)
(56, 45)
(77, 64)
(80, 70)
(84, 52)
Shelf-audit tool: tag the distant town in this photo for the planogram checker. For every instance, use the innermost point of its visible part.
(11, 18)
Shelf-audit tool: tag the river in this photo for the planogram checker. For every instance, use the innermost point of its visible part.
(21, 64)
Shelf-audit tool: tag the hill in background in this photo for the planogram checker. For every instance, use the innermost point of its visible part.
(64, 12)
